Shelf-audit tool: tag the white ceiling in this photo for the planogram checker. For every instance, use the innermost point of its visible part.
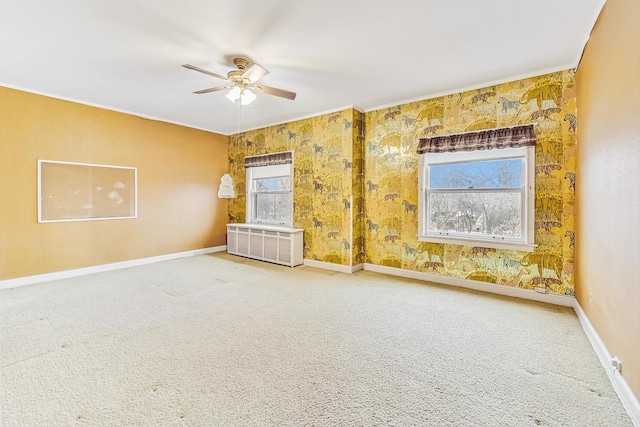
(126, 54)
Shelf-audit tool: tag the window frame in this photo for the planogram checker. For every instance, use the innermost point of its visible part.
(268, 171)
(525, 242)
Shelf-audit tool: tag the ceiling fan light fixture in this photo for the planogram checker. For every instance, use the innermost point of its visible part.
(241, 80)
(234, 94)
(247, 97)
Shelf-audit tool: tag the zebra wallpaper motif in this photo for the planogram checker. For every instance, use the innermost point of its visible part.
(356, 181)
(358, 201)
(391, 135)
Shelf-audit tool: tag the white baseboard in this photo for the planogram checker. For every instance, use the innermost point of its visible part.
(620, 385)
(493, 288)
(30, 280)
(333, 267)
(566, 301)
(357, 267)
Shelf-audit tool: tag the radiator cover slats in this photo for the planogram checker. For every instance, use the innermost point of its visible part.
(277, 244)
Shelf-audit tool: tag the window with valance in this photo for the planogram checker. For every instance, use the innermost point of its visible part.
(477, 188)
(269, 188)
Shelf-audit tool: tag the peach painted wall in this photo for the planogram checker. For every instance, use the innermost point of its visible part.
(608, 187)
(179, 172)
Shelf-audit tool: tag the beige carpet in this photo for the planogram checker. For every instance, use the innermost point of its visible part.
(219, 340)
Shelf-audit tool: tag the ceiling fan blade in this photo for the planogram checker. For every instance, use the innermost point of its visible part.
(211, 89)
(276, 92)
(193, 67)
(255, 73)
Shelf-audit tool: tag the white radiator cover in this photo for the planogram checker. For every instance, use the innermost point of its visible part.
(271, 243)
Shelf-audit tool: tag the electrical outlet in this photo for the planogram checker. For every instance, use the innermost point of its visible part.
(617, 364)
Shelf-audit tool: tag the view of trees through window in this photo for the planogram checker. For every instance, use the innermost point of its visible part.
(478, 197)
(272, 199)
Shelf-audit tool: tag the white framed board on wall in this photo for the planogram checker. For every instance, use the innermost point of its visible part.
(70, 191)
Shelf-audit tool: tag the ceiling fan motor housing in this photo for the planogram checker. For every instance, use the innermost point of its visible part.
(235, 76)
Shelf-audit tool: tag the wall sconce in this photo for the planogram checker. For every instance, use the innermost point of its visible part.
(226, 187)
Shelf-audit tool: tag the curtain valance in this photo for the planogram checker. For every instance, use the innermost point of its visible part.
(269, 159)
(516, 136)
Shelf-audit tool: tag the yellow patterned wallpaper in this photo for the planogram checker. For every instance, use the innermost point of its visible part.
(356, 181)
(391, 179)
(327, 162)
(358, 201)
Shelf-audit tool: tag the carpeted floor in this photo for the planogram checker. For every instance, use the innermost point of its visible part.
(217, 340)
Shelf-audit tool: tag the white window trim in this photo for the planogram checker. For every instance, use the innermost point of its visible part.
(528, 211)
(249, 193)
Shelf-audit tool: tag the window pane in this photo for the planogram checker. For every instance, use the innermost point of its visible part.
(273, 208)
(483, 214)
(278, 183)
(505, 173)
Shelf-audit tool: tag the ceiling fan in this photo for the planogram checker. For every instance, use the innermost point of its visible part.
(242, 81)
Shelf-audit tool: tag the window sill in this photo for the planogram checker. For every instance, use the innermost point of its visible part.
(514, 246)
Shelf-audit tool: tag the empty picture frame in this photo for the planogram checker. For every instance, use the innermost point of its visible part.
(84, 192)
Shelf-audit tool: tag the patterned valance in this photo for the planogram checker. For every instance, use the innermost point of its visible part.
(517, 136)
(269, 159)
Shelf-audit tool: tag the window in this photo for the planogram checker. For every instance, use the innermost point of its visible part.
(480, 197)
(269, 194)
